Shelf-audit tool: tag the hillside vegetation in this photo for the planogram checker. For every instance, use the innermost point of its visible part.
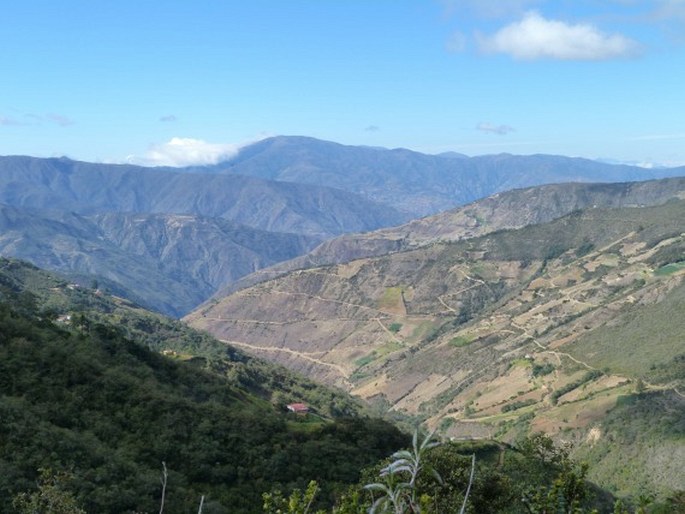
(84, 398)
(497, 336)
(92, 420)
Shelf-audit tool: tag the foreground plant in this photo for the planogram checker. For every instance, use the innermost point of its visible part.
(399, 491)
(297, 503)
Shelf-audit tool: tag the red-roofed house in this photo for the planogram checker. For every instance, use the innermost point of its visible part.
(298, 408)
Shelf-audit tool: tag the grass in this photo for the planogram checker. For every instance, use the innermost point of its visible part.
(669, 269)
(391, 299)
(366, 359)
(461, 341)
(422, 331)
(642, 338)
(387, 348)
(305, 423)
(395, 327)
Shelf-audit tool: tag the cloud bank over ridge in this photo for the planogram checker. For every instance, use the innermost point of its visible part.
(185, 151)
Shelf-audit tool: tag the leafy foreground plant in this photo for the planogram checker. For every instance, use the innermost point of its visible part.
(297, 503)
(467, 477)
(399, 489)
(400, 495)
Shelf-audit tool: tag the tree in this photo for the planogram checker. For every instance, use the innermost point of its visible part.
(297, 503)
(51, 497)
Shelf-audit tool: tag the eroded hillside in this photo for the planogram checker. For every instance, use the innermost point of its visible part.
(511, 209)
(515, 331)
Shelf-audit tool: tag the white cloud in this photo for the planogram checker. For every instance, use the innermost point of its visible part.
(184, 151)
(535, 37)
(500, 130)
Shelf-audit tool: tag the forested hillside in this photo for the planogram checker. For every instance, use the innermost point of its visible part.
(86, 398)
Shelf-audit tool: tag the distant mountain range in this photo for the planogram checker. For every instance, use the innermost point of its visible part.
(417, 183)
(85, 188)
(172, 237)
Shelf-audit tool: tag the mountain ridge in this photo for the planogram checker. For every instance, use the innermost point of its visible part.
(418, 183)
(348, 189)
(508, 210)
(88, 188)
(170, 262)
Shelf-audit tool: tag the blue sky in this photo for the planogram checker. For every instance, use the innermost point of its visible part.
(179, 82)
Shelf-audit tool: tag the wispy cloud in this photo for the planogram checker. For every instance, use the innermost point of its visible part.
(6, 121)
(670, 10)
(456, 42)
(168, 118)
(658, 137)
(669, 16)
(535, 37)
(29, 119)
(184, 151)
(59, 119)
(500, 130)
(488, 8)
(372, 128)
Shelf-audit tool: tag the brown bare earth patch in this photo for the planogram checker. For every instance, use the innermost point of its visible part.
(350, 269)
(424, 391)
(503, 388)
(539, 283)
(630, 249)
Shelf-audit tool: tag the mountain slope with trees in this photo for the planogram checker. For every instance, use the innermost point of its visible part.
(83, 397)
(94, 421)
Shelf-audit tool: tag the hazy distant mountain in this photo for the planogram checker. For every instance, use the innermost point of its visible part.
(418, 183)
(88, 188)
(168, 262)
(283, 185)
